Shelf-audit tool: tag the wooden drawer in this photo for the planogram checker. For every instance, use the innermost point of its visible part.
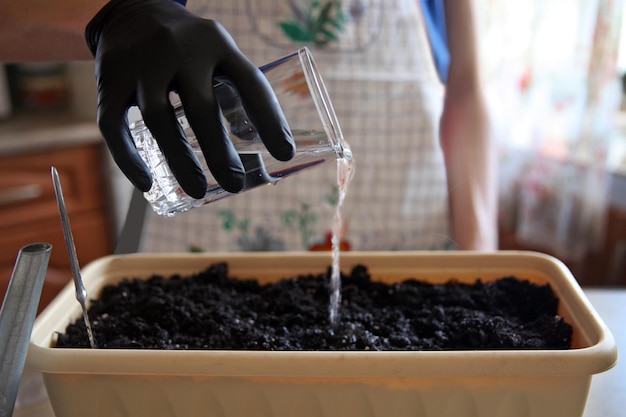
(89, 236)
(29, 212)
(26, 191)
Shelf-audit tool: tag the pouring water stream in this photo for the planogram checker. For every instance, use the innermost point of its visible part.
(345, 172)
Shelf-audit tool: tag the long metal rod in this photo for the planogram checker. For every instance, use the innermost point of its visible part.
(17, 316)
(81, 292)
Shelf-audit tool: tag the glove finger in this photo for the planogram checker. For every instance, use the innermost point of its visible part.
(203, 113)
(112, 109)
(261, 105)
(160, 119)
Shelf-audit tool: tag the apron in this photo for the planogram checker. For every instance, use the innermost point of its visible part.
(379, 72)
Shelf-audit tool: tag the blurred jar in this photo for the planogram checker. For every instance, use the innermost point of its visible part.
(42, 85)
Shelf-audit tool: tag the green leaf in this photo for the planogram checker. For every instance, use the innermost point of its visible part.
(296, 32)
(244, 224)
(329, 17)
(329, 35)
(289, 216)
(228, 219)
(194, 249)
(324, 15)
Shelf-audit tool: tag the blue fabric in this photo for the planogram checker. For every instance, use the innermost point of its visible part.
(183, 2)
(435, 19)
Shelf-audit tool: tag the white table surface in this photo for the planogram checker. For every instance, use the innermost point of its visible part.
(607, 396)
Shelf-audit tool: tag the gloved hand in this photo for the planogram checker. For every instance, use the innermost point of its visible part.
(144, 49)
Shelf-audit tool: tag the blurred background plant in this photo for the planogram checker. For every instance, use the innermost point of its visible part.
(313, 21)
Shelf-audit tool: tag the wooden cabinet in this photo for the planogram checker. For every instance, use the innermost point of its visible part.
(29, 213)
(605, 266)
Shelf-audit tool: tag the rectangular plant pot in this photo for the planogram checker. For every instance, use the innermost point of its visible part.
(491, 383)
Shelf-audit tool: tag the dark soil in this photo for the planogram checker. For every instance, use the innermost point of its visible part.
(210, 310)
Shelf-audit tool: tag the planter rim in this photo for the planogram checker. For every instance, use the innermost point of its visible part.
(594, 348)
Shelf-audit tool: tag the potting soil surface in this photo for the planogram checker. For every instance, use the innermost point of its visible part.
(211, 310)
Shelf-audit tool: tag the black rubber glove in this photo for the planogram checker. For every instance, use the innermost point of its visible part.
(146, 48)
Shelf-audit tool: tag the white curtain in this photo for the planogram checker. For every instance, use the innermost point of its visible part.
(553, 89)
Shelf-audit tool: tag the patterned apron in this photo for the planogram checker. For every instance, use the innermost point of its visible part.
(376, 62)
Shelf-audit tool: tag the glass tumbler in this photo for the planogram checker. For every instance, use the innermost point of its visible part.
(307, 107)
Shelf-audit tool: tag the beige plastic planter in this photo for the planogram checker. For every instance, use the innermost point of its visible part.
(141, 383)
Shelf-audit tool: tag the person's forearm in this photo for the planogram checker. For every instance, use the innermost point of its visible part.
(463, 72)
(466, 137)
(469, 153)
(45, 30)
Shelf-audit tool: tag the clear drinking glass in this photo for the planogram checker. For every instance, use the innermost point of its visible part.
(305, 102)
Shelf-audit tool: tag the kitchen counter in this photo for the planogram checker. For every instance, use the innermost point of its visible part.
(38, 131)
(606, 396)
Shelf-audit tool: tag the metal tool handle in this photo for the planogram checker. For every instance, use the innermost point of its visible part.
(81, 292)
(17, 317)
